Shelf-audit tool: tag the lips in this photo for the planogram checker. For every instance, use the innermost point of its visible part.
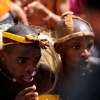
(29, 77)
(84, 65)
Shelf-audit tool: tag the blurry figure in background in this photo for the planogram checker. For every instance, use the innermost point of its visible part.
(45, 13)
(92, 11)
(76, 8)
(74, 44)
(23, 76)
(11, 14)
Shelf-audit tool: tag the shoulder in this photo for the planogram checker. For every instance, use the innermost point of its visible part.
(15, 8)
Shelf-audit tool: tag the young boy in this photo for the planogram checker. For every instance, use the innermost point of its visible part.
(74, 44)
(22, 75)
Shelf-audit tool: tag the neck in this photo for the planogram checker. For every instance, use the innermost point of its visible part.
(5, 72)
(4, 66)
(70, 73)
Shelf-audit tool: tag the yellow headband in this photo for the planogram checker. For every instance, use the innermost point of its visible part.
(27, 39)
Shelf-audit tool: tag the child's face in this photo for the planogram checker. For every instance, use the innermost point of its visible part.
(23, 62)
(76, 52)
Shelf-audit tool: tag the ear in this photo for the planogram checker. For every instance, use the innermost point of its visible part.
(3, 55)
(57, 48)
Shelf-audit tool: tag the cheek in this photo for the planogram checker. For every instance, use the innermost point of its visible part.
(70, 57)
(72, 61)
(13, 67)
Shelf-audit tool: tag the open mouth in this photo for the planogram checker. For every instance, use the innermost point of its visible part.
(84, 65)
(29, 77)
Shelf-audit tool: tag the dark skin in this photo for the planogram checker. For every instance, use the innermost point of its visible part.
(23, 59)
(23, 62)
(75, 56)
(77, 50)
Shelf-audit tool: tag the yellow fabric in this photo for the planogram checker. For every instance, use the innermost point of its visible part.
(4, 6)
(17, 38)
(47, 97)
(42, 43)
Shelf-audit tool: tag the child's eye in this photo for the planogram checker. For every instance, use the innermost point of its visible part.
(89, 46)
(22, 61)
(36, 60)
(76, 47)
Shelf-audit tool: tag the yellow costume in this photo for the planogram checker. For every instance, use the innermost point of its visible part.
(4, 6)
(48, 97)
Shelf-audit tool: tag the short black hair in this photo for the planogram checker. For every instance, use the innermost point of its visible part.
(22, 30)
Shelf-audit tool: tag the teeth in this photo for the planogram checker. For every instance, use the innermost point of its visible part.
(28, 77)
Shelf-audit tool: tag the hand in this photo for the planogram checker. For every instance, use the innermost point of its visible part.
(33, 7)
(27, 94)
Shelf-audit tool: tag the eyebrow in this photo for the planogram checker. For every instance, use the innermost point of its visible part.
(23, 57)
(27, 57)
(75, 43)
(38, 57)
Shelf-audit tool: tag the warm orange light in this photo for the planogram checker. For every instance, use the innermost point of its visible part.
(4, 6)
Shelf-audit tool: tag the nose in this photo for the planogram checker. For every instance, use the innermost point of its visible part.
(86, 53)
(30, 67)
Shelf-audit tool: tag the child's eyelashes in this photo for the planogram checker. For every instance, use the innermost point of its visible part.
(22, 61)
(76, 47)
